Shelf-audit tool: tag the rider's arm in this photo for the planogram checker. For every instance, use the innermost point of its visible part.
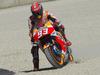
(30, 24)
(55, 21)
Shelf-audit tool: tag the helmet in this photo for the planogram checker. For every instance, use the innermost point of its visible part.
(37, 10)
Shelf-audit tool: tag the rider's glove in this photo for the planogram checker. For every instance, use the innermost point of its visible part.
(61, 28)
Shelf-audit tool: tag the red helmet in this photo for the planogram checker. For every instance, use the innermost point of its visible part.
(37, 10)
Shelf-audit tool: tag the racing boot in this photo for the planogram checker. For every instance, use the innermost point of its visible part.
(36, 66)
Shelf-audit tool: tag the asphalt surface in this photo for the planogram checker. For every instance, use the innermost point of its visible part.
(81, 19)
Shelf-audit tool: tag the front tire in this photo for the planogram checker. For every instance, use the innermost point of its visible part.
(51, 59)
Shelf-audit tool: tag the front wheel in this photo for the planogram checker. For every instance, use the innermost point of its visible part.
(52, 59)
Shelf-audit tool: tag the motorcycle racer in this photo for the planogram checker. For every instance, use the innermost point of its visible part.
(38, 18)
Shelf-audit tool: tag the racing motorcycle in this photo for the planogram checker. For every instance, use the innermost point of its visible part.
(53, 45)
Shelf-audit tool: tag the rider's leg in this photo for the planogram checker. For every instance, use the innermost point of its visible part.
(35, 55)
